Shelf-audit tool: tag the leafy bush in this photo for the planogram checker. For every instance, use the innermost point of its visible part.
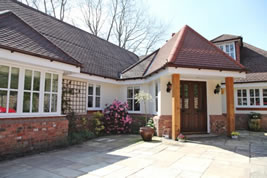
(97, 124)
(78, 129)
(116, 118)
(137, 122)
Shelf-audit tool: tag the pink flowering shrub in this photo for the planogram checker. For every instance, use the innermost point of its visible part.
(116, 118)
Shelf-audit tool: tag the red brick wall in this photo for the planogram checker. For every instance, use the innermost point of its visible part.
(163, 125)
(18, 135)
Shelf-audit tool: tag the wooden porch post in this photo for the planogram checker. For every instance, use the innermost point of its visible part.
(230, 105)
(176, 120)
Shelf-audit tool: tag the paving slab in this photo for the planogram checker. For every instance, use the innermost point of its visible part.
(121, 156)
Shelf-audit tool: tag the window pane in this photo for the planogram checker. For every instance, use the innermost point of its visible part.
(264, 92)
(35, 102)
(97, 102)
(156, 104)
(14, 78)
(46, 102)
(97, 91)
(227, 48)
(90, 101)
(55, 82)
(136, 105)
(47, 82)
(257, 92)
(231, 47)
(28, 80)
(239, 102)
(156, 90)
(244, 93)
(252, 101)
(3, 101)
(257, 101)
(129, 93)
(221, 47)
(4, 76)
(265, 101)
(54, 103)
(136, 91)
(245, 101)
(13, 101)
(26, 102)
(239, 93)
(36, 81)
(90, 90)
(251, 91)
(232, 55)
(130, 104)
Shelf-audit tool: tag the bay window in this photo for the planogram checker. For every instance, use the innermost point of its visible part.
(252, 97)
(132, 102)
(94, 96)
(24, 91)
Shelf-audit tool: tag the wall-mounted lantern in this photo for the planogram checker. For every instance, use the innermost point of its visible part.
(169, 87)
(217, 89)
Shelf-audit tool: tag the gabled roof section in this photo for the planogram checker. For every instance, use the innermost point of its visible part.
(189, 49)
(97, 56)
(18, 36)
(138, 69)
(253, 58)
(253, 78)
(225, 37)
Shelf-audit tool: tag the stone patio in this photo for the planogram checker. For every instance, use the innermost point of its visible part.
(128, 156)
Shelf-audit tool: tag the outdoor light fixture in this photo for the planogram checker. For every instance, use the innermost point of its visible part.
(217, 89)
(169, 87)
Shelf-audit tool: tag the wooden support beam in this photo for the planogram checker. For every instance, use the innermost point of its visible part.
(229, 81)
(176, 117)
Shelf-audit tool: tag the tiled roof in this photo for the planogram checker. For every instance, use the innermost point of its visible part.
(253, 58)
(138, 69)
(253, 77)
(225, 37)
(18, 36)
(97, 56)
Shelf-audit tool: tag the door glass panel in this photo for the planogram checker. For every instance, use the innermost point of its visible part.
(186, 99)
(195, 96)
(181, 96)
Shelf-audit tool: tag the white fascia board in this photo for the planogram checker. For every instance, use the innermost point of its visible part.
(206, 73)
(249, 85)
(203, 74)
(24, 59)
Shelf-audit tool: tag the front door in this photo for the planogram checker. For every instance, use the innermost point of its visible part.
(193, 107)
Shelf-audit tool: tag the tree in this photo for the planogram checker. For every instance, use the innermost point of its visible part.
(55, 8)
(124, 23)
(143, 97)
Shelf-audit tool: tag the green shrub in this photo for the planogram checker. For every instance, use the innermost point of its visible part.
(79, 137)
(137, 122)
(97, 124)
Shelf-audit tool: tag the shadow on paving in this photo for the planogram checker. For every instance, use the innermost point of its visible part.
(73, 161)
(249, 144)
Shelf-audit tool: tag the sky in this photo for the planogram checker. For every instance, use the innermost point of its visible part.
(211, 18)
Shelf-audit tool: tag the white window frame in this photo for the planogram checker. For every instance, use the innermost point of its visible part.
(9, 89)
(94, 96)
(51, 92)
(133, 88)
(248, 97)
(156, 107)
(224, 48)
(19, 112)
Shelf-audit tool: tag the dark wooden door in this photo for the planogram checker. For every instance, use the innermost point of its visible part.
(193, 107)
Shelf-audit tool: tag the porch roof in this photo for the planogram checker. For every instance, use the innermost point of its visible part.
(186, 49)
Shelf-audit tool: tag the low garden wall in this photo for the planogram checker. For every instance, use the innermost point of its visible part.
(21, 135)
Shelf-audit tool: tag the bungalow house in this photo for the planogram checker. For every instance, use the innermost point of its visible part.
(41, 57)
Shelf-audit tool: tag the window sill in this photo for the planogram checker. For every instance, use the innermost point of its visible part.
(9, 116)
(252, 108)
